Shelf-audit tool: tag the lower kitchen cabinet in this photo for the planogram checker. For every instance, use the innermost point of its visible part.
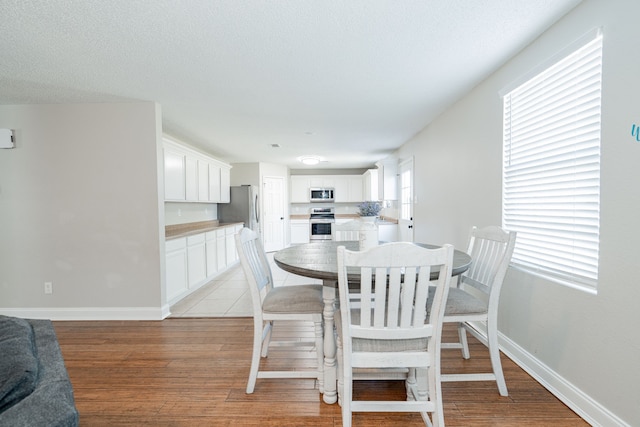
(299, 231)
(176, 266)
(195, 260)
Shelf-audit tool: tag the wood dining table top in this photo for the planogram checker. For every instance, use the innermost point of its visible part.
(318, 260)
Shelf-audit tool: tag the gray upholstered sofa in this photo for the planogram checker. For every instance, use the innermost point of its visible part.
(35, 389)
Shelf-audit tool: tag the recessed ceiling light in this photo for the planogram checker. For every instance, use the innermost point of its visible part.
(309, 160)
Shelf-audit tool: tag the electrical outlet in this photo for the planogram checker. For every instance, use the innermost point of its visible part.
(48, 287)
(179, 212)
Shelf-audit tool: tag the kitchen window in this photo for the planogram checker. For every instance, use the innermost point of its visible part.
(551, 167)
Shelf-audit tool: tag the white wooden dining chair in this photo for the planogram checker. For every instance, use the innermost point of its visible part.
(298, 302)
(390, 327)
(474, 302)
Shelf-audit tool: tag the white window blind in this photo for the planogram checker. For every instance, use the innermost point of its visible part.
(551, 168)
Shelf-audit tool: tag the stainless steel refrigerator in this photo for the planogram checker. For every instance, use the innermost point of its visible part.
(244, 207)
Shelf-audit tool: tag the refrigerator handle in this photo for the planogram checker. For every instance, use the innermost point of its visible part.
(257, 213)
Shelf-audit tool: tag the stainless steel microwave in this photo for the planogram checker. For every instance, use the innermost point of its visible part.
(321, 194)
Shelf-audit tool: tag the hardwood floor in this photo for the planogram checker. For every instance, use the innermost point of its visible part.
(192, 372)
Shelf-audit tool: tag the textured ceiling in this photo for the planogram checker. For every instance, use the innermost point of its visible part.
(347, 80)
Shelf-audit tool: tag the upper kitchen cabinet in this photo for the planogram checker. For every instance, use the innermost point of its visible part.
(300, 185)
(370, 185)
(348, 188)
(190, 176)
(388, 179)
(174, 174)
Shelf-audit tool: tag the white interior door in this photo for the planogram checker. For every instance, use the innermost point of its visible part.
(405, 220)
(273, 213)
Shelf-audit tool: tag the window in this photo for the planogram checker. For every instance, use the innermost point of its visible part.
(551, 168)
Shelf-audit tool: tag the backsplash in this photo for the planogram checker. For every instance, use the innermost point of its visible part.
(183, 213)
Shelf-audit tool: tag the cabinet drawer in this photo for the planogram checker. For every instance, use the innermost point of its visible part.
(230, 230)
(175, 244)
(196, 239)
(210, 235)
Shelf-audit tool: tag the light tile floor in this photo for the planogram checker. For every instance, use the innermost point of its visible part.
(228, 294)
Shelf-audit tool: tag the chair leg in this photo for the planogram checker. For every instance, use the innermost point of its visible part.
(255, 358)
(340, 368)
(494, 353)
(435, 395)
(266, 340)
(347, 396)
(320, 354)
(462, 338)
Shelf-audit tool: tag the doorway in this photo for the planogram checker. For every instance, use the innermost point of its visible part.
(405, 220)
(273, 209)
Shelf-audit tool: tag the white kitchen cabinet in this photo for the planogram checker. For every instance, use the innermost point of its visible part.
(388, 179)
(221, 249)
(348, 188)
(176, 267)
(211, 245)
(299, 231)
(225, 185)
(190, 176)
(370, 185)
(203, 180)
(174, 175)
(196, 260)
(232, 255)
(215, 194)
(388, 232)
(299, 189)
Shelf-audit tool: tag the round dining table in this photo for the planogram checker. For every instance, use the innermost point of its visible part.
(318, 260)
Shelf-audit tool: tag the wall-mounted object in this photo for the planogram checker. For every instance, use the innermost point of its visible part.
(6, 138)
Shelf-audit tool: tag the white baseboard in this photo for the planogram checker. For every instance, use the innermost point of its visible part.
(90, 313)
(590, 410)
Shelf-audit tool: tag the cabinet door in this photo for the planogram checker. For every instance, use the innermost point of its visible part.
(212, 253)
(174, 175)
(196, 260)
(225, 185)
(214, 183)
(176, 267)
(354, 184)
(203, 181)
(299, 189)
(221, 249)
(299, 232)
(341, 186)
(230, 246)
(191, 176)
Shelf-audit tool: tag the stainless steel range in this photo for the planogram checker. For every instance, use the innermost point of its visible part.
(321, 224)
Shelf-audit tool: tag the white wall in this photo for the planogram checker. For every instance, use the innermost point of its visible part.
(583, 346)
(80, 207)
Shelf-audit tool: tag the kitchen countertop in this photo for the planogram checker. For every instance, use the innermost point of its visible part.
(189, 229)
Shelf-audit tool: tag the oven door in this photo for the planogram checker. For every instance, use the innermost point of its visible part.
(321, 229)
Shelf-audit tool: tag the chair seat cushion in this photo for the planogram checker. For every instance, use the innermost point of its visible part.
(360, 344)
(461, 302)
(294, 299)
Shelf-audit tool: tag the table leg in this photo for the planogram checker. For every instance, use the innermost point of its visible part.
(329, 297)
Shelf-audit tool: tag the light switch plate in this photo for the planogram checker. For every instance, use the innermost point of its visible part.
(6, 138)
